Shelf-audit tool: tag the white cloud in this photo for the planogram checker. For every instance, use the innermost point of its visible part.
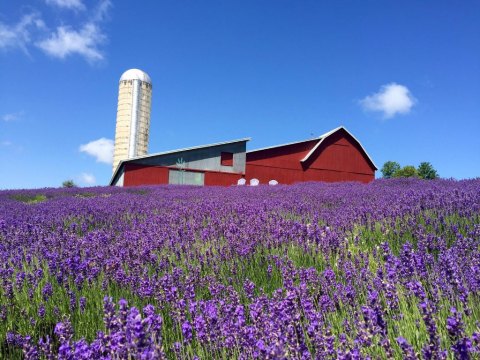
(392, 99)
(6, 143)
(12, 116)
(101, 11)
(101, 150)
(81, 38)
(68, 4)
(19, 35)
(88, 179)
(66, 41)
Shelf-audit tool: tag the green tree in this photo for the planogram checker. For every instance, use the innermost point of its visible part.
(69, 184)
(406, 172)
(426, 171)
(389, 168)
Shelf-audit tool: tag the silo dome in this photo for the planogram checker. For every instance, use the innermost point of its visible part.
(136, 74)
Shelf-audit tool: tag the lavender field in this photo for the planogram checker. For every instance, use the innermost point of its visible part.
(387, 270)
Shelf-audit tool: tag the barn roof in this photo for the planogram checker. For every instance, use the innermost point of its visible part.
(320, 139)
(282, 145)
(120, 164)
(326, 135)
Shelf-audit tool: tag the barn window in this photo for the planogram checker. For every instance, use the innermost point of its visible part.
(182, 177)
(226, 159)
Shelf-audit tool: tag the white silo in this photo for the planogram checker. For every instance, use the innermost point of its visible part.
(133, 115)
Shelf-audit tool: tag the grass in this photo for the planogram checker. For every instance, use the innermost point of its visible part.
(29, 199)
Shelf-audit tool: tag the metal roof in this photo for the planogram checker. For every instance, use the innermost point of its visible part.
(136, 74)
(281, 145)
(120, 164)
(300, 141)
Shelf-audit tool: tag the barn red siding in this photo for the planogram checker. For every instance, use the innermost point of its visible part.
(136, 174)
(279, 163)
(284, 157)
(267, 173)
(221, 179)
(339, 152)
(334, 176)
(338, 158)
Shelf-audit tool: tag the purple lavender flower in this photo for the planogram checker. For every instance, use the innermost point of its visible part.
(64, 330)
(41, 311)
(72, 300)
(249, 288)
(47, 291)
(432, 349)
(3, 312)
(408, 351)
(108, 313)
(45, 348)
(82, 350)
(14, 339)
(187, 331)
(30, 351)
(83, 304)
(461, 345)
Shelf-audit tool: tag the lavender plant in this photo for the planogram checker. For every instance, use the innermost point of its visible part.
(310, 271)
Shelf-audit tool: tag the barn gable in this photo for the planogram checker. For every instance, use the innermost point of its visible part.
(340, 137)
(334, 156)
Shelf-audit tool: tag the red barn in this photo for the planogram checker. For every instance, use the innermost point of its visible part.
(334, 156)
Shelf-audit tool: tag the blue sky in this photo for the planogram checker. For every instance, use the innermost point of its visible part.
(402, 76)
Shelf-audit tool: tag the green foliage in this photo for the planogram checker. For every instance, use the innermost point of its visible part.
(69, 184)
(389, 168)
(426, 171)
(85, 195)
(392, 169)
(29, 199)
(406, 172)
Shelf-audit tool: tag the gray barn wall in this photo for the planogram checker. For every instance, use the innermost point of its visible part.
(203, 159)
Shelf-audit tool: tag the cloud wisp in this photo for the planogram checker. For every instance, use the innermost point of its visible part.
(87, 178)
(84, 38)
(18, 36)
(85, 41)
(101, 11)
(66, 41)
(101, 149)
(9, 145)
(390, 100)
(67, 4)
(12, 116)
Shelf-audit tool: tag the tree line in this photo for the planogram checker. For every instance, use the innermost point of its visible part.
(392, 169)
